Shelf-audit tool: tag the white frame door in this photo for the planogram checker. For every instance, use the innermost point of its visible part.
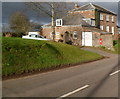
(86, 38)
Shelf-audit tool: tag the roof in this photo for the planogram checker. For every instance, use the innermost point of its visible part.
(91, 6)
(73, 19)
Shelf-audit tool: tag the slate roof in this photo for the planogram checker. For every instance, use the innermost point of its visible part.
(73, 19)
(91, 6)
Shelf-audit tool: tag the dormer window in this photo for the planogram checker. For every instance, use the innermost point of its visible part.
(59, 22)
(107, 17)
(101, 16)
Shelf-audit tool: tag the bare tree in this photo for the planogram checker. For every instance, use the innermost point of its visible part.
(53, 10)
(19, 23)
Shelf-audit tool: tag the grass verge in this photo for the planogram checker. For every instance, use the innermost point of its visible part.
(22, 56)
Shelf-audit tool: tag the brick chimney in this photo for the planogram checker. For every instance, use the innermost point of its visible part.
(76, 6)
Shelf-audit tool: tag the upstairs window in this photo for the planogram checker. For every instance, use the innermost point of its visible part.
(93, 22)
(101, 16)
(75, 35)
(59, 22)
(107, 17)
(112, 19)
(107, 28)
(87, 20)
(101, 27)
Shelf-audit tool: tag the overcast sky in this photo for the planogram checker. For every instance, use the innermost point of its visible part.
(9, 8)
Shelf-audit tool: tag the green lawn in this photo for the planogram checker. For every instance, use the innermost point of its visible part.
(21, 55)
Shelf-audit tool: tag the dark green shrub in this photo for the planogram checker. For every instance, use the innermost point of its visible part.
(69, 42)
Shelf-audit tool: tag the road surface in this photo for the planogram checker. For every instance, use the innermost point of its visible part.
(94, 79)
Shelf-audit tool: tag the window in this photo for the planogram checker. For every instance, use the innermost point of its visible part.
(51, 35)
(107, 28)
(101, 16)
(93, 23)
(113, 30)
(57, 35)
(75, 35)
(112, 19)
(88, 20)
(107, 17)
(33, 35)
(101, 27)
(59, 22)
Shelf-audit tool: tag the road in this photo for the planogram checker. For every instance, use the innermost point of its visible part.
(94, 79)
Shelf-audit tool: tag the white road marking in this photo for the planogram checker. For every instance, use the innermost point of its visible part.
(115, 72)
(72, 92)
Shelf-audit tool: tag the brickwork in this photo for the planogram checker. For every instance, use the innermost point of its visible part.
(87, 13)
(109, 23)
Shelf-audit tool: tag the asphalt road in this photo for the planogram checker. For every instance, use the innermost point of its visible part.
(95, 79)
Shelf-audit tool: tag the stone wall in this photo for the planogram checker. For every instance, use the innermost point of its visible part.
(107, 39)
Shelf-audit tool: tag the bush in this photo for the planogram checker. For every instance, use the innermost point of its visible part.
(69, 42)
(115, 42)
(103, 47)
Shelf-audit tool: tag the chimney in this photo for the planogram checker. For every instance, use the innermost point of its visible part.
(76, 6)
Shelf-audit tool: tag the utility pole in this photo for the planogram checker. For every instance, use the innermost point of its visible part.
(53, 22)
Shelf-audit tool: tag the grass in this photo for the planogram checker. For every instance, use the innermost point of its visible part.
(116, 44)
(23, 56)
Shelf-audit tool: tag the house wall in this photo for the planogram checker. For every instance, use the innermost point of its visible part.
(46, 32)
(109, 23)
(107, 39)
(104, 23)
(108, 43)
(87, 13)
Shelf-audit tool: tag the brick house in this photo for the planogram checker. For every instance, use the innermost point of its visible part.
(88, 25)
(98, 17)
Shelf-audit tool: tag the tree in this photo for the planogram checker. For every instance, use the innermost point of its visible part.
(51, 9)
(19, 23)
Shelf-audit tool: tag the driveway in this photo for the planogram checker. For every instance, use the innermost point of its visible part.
(94, 79)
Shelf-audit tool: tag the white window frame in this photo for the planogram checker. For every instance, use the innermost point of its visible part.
(93, 22)
(113, 29)
(107, 28)
(75, 33)
(87, 20)
(101, 27)
(59, 22)
(57, 35)
(101, 16)
(112, 19)
(107, 17)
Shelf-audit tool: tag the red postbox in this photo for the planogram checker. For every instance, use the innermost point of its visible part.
(100, 41)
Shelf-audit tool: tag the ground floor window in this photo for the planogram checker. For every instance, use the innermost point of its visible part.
(75, 35)
(107, 28)
(101, 27)
(113, 30)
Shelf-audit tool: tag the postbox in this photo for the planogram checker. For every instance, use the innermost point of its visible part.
(100, 41)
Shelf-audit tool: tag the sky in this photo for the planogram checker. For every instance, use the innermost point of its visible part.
(8, 8)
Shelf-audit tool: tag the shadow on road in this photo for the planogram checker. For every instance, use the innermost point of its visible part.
(94, 91)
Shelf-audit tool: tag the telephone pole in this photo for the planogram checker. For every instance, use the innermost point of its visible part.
(53, 22)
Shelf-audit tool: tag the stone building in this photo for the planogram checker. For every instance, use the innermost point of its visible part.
(85, 26)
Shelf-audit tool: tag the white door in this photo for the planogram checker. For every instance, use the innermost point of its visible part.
(86, 38)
